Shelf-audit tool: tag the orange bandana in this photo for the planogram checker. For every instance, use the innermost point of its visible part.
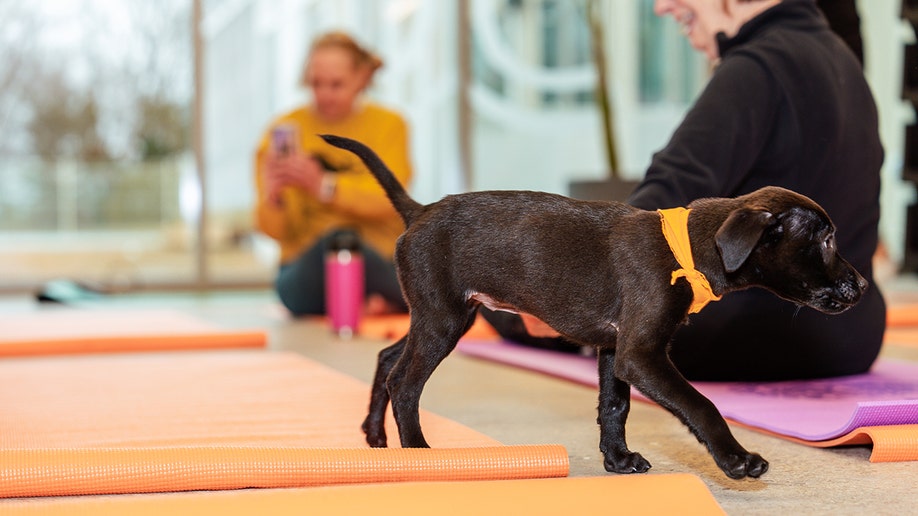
(675, 230)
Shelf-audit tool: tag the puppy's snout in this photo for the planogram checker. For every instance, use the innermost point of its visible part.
(862, 283)
(852, 286)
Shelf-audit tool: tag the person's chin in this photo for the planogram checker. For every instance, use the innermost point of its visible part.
(333, 115)
(708, 49)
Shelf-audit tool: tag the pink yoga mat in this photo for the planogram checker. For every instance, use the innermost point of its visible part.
(811, 410)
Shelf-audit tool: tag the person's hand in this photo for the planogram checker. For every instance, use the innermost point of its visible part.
(536, 327)
(297, 170)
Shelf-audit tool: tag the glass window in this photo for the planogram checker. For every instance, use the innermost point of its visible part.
(669, 69)
(99, 180)
(95, 142)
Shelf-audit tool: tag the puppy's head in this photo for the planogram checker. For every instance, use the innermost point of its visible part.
(785, 242)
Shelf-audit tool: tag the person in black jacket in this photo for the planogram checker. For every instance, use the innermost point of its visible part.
(844, 20)
(787, 105)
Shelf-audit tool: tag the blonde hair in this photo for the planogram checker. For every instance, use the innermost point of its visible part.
(364, 59)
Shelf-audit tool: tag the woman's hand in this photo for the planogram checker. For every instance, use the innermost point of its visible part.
(297, 170)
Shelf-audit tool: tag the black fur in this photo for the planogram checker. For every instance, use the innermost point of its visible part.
(598, 273)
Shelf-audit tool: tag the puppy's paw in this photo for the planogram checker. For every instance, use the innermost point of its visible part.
(630, 462)
(376, 434)
(744, 465)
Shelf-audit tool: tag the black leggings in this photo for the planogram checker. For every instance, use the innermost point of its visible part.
(754, 336)
(300, 284)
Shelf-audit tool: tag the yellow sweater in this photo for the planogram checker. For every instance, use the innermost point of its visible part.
(358, 202)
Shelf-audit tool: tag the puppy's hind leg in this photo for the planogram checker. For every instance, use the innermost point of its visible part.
(431, 338)
(374, 426)
(614, 404)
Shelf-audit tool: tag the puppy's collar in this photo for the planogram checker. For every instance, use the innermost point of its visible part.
(675, 230)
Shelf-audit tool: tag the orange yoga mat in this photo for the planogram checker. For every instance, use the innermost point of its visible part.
(901, 336)
(901, 325)
(61, 331)
(142, 423)
(898, 315)
(392, 327)
(643, 494)
(893, 443)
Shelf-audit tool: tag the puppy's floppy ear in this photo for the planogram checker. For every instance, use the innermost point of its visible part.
(739, 234)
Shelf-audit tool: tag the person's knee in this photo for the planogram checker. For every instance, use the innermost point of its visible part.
(299, 306)
(382, 279)
(299, 296)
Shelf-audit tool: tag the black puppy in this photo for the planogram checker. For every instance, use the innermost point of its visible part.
(601, 274)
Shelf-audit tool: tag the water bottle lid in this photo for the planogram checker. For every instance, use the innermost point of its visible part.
(345, 239)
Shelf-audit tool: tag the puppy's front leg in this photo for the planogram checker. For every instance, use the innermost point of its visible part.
(614, 404)
(656, 376)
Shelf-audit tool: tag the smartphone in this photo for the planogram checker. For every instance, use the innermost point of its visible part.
(283, 139)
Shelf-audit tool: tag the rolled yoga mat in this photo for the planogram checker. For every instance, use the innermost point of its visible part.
(159, 422)
(899, 315)
(613, 494)
(61, 331)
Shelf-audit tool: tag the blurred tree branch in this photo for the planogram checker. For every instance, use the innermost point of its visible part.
(100, 99)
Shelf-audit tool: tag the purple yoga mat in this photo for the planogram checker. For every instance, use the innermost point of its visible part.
(813, 410)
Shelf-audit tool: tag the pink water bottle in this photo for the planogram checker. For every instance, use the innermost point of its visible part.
(344, 283)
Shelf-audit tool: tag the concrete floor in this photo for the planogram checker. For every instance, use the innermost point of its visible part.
(518, 407)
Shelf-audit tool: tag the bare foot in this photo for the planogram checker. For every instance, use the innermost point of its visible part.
(377, 305)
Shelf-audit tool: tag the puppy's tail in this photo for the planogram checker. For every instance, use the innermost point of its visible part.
(403, 203)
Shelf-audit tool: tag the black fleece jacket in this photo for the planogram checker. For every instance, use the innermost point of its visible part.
(788, 105)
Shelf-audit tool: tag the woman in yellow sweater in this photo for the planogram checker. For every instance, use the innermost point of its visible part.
(308, 190)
